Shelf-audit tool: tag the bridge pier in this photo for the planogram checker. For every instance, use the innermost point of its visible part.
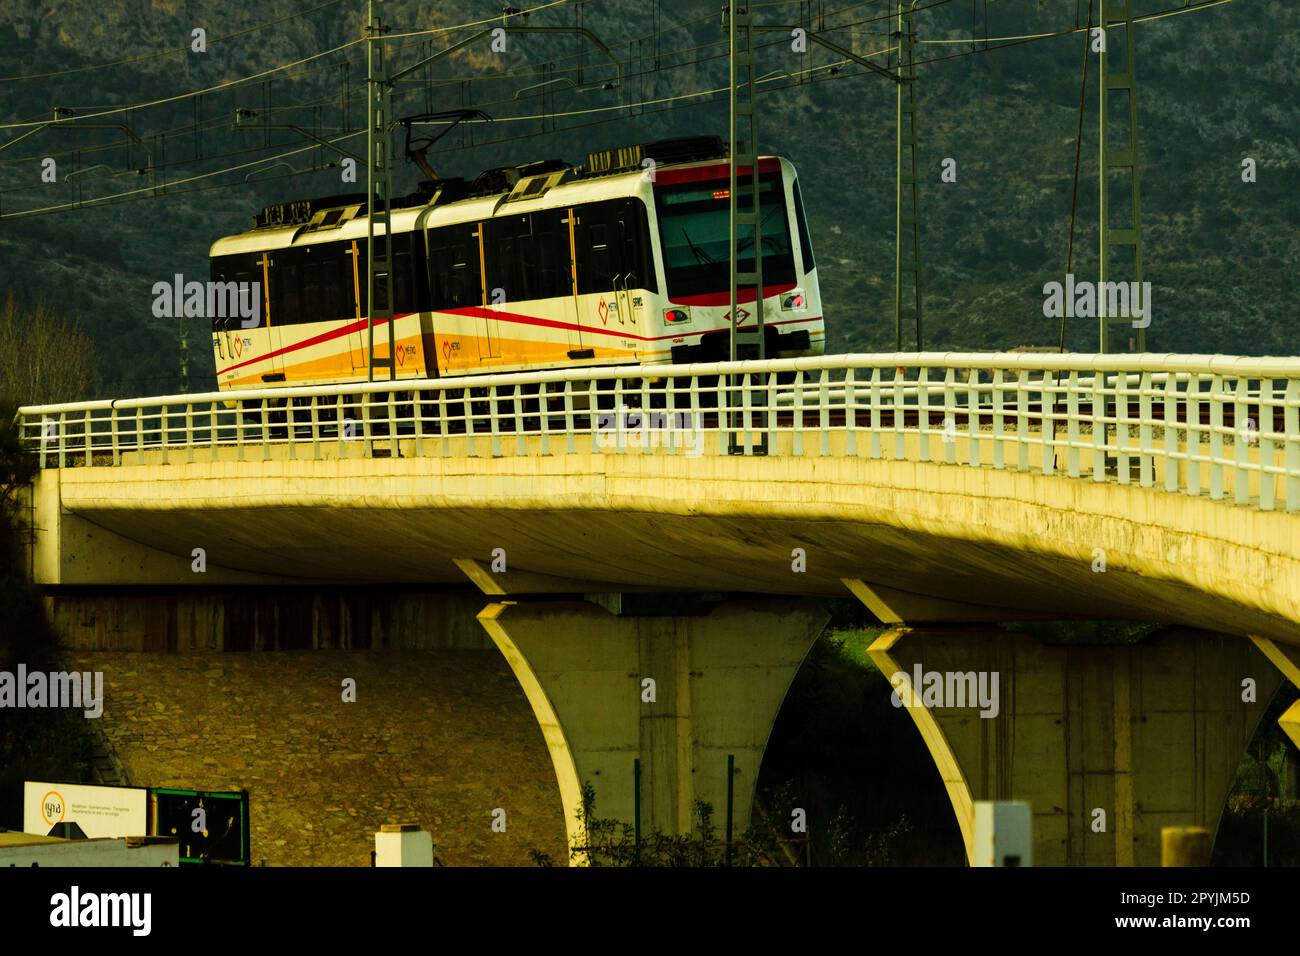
(677, 690)
(1107, 743)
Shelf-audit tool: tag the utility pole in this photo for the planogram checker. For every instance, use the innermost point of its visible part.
(746, 219)
(744, 206)
(1124, 161)
(379, 277)
(907, 194)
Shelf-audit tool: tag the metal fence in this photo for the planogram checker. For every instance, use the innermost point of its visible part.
(1224, 426)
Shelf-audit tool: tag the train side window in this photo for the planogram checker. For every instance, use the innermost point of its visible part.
(403, 277)
(507, 247)
(312, 307)
(285, 300)
(613, 240)
(805, 243)
(640, 253)
(254, 301)
(243, 269)
(550, 263)
(339, 281)
(290, 300)
(453, 268)
(595, 258)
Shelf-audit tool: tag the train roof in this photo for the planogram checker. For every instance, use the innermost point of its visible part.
(606, 174)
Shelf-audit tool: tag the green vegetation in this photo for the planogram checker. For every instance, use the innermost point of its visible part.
(1263, 811)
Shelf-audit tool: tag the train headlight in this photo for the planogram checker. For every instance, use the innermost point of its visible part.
(676, 316)
(796, 301)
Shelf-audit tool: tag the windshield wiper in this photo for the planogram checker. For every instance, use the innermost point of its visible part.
(701, 256)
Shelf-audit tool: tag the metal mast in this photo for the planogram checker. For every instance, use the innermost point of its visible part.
(1123, 161)
(744, 207)
(907, 196)
(379, 278)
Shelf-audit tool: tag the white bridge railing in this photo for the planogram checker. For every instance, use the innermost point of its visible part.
(1219, 425)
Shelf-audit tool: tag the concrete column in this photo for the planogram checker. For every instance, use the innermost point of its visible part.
(717, 681)
(1107, 743)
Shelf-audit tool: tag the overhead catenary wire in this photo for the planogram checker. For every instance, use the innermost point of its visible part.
(668, 102)
(147, 191)
(190, 129)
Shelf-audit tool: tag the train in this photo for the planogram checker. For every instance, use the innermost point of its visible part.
(621, 260)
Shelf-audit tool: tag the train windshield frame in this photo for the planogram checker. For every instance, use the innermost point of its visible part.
(693, 234)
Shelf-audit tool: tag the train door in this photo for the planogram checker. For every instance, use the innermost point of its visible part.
(277, 284)
(579, 346)
(356, 266)
(549, 277)
(610, 267)
(489, 351)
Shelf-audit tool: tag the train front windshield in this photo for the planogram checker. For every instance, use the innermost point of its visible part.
(693, 231)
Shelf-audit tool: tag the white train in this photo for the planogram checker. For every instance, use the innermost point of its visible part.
(545, 265)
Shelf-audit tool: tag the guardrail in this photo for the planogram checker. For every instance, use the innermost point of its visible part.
(1222, 425)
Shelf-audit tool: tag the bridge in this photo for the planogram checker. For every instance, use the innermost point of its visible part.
(654, 549)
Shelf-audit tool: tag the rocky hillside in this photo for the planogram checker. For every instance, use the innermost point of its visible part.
(1216, 87)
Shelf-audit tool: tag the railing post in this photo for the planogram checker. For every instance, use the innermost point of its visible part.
(1192, 420)
(875, 412)
(1047, 421)
(444, 422)
(87, 436)
(1171, 432)
(290, 433)
(850, 412)
(570, 428)
(1072, 424)
(394, 449)
(973, 417)
(315, 427)
(796, 440)
(923, 430)
(214, 431)
(900, 413)
(1146, 462)
(996, 400)
(1022, 419)
(266, 429)
(1241, 434)
(1267, 435)
(824, 402)
(1123, 471)
(1216, 438)
(1291, 425)
(493, 420)
(1099, 426)
(950, 416)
